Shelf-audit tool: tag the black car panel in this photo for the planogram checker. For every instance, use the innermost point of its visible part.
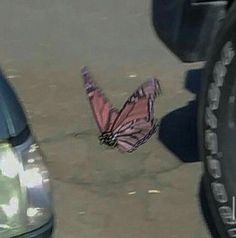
(187, 27)
(12, 117)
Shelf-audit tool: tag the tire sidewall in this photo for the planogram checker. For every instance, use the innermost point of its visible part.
(221, 60)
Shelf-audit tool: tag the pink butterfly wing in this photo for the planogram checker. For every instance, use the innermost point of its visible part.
(135, 123)
(103, 110)
(136, 135)
(139, 105)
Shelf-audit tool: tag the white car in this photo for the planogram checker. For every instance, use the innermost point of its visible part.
(25, 196)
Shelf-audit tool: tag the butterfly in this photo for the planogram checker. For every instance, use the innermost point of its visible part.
(129, 127)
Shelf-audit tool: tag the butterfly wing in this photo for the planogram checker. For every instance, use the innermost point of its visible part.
(139, 105)
(104, 113)
(135, 135)
(135, 123)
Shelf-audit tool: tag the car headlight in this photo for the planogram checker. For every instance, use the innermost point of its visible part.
(25, 200)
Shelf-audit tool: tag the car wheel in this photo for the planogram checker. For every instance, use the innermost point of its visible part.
(217, 127)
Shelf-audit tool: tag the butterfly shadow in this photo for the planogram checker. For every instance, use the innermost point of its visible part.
(178, 132)
(178, 129)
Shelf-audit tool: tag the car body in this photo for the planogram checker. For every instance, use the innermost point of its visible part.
(188, 27)
(25, 203)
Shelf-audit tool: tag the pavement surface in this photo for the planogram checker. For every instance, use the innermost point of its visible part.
(153, 192)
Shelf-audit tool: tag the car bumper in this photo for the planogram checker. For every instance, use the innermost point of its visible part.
(43, 232)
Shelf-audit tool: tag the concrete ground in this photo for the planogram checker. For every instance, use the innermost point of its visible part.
(152, 192)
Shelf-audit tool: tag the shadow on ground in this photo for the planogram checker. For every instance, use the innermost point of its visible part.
(178, 129)
(178, 132)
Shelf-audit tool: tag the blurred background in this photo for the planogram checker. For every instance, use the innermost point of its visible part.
(98, 192)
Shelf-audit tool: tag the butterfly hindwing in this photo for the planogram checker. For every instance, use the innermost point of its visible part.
(133, 136)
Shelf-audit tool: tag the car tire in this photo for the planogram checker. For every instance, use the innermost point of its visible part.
(217, 127)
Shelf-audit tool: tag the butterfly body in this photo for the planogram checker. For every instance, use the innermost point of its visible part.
(109, 139)
(129, 127)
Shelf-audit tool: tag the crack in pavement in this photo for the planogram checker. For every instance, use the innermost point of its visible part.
(67, 134)
(106, 183)
(123, 181)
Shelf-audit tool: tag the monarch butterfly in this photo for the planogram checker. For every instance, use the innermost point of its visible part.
(130, 127)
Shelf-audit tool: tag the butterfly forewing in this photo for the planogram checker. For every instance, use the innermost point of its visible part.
(135, 123)
(102, 109)
(139, 105)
